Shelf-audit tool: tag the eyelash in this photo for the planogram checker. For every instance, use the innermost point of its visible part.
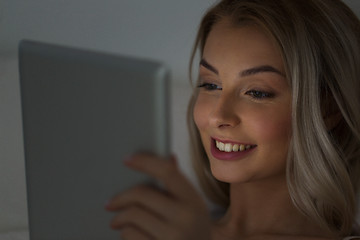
(256, 94)
(209, 86)
(259, 94)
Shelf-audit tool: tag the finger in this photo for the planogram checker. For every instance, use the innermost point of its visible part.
(142, 221)
(166, 171)
(147, 197)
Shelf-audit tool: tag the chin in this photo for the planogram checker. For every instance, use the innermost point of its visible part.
(232, 177)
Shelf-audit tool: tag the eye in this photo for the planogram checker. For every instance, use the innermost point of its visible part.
(209, 86)
(259, 94)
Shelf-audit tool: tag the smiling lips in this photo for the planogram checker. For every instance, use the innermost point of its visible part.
(230, 151)
(229, 147)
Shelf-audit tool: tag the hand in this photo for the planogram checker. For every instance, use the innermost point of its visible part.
(177, 212)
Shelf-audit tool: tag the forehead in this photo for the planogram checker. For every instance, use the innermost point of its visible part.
(245, 43)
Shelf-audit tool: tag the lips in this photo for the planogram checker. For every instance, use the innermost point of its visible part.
(227, 150)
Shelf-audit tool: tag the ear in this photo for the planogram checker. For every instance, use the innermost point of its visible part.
(332, 120)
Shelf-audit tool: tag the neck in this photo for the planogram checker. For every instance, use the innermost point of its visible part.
(263, 207)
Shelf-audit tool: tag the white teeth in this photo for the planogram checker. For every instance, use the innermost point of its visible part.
(221, 146)
(228, 147)
(242, 147)
(235, 148)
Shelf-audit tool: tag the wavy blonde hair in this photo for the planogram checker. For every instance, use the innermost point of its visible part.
(320, 45)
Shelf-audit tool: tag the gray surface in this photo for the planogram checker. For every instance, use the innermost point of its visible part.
(83, 113)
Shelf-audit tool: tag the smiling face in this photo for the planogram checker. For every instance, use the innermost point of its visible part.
(243, 109)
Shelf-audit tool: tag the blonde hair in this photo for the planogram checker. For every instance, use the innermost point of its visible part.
(320, 45)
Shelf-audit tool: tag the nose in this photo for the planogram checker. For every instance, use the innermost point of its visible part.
(224, 113)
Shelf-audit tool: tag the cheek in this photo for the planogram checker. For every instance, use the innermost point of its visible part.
(272, 126)
(201, 112)
(268, 124)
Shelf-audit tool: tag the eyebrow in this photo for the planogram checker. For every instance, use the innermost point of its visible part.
(246, 72)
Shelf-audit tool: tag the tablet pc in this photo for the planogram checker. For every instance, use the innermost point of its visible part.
(83, 113)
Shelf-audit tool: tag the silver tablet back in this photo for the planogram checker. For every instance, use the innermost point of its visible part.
(83, 112)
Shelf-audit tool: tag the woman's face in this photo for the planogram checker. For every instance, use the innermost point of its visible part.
(243, 110)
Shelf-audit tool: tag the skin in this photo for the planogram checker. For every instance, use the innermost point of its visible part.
(235, 105)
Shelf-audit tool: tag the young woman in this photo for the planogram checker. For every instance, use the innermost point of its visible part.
(275, 126)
